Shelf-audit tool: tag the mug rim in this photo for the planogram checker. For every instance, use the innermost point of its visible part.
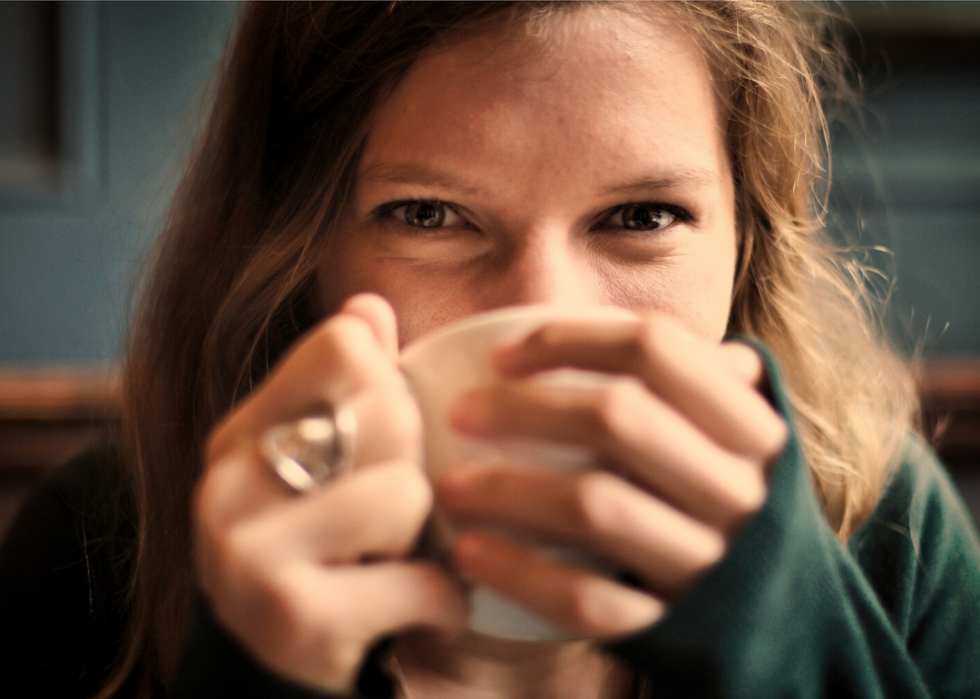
(553, 311)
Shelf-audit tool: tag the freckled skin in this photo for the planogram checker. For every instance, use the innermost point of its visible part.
(538, 133)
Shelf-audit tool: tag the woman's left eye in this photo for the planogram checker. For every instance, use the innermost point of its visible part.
(423, 213)
(644, 217)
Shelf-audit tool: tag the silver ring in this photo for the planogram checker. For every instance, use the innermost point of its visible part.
(311, 450)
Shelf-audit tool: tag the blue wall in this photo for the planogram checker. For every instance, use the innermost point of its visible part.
(69, 253)
(908, 178)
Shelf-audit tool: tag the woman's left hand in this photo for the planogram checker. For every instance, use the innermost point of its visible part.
(686, 440)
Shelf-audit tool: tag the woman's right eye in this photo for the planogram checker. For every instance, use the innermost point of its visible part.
(424, 213)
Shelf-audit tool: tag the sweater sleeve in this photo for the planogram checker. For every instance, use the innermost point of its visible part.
(790, 612)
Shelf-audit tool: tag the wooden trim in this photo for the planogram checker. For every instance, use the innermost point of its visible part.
(59, 394)
(46, 414)
(951, 408)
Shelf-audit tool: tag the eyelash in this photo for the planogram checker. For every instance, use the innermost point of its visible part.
(385, 210)
(680, 214)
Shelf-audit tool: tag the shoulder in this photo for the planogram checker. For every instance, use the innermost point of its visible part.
(64, 569)
(919, 548)
(84, 503)
(919, 508)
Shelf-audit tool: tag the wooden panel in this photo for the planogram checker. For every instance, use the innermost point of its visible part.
(951, 408)
(58, 394)
(47, 415)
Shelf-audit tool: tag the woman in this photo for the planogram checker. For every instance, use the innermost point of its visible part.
(372, 172)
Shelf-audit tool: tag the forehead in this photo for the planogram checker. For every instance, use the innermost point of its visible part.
(587, 89)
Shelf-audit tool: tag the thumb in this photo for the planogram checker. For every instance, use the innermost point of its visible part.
(378, 314)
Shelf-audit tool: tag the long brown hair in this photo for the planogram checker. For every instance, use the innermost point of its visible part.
(234, 270)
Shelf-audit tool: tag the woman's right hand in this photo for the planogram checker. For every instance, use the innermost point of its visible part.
(309, 583)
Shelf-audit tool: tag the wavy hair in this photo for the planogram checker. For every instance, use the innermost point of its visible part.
(233, 273)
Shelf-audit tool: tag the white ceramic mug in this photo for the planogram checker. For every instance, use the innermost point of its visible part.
(457, 358)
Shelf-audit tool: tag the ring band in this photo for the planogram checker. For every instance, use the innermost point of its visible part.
(312, 450)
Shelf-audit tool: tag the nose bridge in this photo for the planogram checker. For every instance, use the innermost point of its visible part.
(544, 266)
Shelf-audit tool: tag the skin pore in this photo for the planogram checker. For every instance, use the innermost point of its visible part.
(585, 166)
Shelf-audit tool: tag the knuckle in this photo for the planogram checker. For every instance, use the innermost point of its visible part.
(342, 343)
(211, 507)
(277, 612)
(298, 633)
(616, 401)
(410, 491)
(656, 340)
(712, 548)
(271, 592)
(228, 571)
(238, 549)
(595, 501)
(405, 423)
(548, 336)
(586, 607)
(283, 604)
(750, 494)
(332, 342)
(339, 657)
(434, 589)
(780, 435)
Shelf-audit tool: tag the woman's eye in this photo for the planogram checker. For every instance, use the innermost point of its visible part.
(644, 217)
(425, 214)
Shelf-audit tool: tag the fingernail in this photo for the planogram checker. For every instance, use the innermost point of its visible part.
(468, 413)
(456, 488)
(467, 551)
(507, 359)
(453, 482)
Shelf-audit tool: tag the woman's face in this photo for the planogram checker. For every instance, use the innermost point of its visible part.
(586, 169)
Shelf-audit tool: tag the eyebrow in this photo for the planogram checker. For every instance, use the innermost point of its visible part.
(679, 177)
(421, 175)
(416, 174)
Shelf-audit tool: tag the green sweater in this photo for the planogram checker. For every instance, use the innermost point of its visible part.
(789, 612)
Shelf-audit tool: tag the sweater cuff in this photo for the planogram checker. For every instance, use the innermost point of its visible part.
(687, 651)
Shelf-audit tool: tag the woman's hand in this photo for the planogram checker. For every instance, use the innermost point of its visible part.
(309, 583)
(686, 439)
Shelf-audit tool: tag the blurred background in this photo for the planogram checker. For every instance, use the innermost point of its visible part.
(99, 104)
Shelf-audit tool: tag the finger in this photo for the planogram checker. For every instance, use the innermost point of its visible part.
(370, 514)
(242, 481)
(379, 316)
(314, 624)
(389, 426)
(630, 427)
(332, 363)
(574, 599)
(595, 510)
(672, 363)
(336, 361)
(395, 596)
(745, 363)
